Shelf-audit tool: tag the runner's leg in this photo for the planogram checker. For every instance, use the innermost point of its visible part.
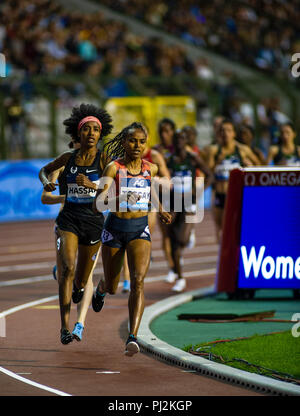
(83, 306)
(112, 259)
(65, 271)
(138, 254)
(85, 263)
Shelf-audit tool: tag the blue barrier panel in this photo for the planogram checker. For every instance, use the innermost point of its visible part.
(20, 192)
(270, 237)
(207, 197)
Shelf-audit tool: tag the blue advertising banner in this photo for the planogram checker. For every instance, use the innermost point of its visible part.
(20, 192)
(270, 237)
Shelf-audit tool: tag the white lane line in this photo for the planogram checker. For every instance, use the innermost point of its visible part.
(27, 280)
(27, 266)
(51, 298)
(16, 376)
(194, 273)
(27, 305)
(154, 265)
(48, 254)
(33, 383)
(107, 372)
(26, 256)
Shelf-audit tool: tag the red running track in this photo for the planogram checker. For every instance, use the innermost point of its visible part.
(95, 366)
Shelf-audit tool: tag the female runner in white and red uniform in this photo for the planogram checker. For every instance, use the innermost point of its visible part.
(127, 228)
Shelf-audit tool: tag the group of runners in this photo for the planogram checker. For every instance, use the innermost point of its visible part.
(114, 197)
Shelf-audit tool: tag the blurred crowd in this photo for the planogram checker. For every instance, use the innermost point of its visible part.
(39, 37)
(260, 33)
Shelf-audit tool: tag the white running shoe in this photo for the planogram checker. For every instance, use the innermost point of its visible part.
(192, 240)
(179, 285)
(132, 346)
(171, 277)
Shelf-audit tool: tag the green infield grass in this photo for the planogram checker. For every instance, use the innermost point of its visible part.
(275, 355)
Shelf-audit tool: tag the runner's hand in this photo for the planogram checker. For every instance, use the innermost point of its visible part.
(166, 217)
(49, 187)
(83, 180)
(132, 197)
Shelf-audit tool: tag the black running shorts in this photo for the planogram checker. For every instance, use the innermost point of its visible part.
(87, 228)
(220, 199)
(118, 232)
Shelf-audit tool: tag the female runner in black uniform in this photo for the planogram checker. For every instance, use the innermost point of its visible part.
(127, 228)
(183, 165)
(287, 153)
(166, 130)
(78, 227)
(221, 159)
(49, 198)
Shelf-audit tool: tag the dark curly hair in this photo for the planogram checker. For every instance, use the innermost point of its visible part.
(113, 147)
(84, 110)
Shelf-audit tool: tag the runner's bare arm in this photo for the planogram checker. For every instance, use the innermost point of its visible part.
(165, 216)
(83, 180)
(211, 152)
(249, 155)
(57, 163)
(48, 198)
(200, 164)
(272, 153)
(158, 159)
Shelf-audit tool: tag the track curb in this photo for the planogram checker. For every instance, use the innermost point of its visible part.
(152, 344)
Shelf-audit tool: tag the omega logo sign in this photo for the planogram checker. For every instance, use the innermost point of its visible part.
(273, 179)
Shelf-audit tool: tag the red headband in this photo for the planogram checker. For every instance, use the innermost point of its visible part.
(89, 118)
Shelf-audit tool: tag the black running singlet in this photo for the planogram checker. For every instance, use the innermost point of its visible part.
(292, 159)
(79, 199)
(185, 170)
(223, 168)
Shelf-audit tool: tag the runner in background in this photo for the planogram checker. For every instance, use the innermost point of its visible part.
(191, 134)
(166, 130)
(246, 136)
(182, 166)
(221, 159)
(78, 227)
(163, 177)
(286, 153)
(49, 198)
(126, 229)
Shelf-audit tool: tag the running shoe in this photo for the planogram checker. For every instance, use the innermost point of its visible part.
(77, 331)
(77, 294)
(132, 346)
(65, 336)
(98, 301)
(126, 286)
(54, 272)
(179, 285)
(171, 277)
